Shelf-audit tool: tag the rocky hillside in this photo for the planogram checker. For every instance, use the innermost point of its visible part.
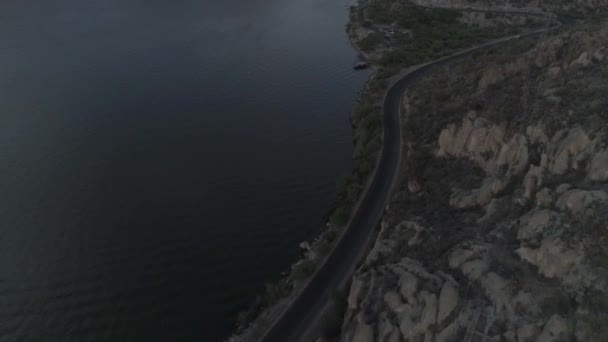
(499, 228)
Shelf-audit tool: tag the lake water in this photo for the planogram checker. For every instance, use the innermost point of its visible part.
(161, 160)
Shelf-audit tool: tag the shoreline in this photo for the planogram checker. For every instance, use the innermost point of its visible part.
(270, 314)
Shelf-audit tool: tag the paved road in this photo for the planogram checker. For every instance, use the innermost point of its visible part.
(305, 310)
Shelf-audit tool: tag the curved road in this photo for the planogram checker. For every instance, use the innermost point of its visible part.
(300, 318)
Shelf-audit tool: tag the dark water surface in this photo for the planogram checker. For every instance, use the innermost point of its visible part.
(161, 160)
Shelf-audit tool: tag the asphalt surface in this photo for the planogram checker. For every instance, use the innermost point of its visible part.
(341, 263)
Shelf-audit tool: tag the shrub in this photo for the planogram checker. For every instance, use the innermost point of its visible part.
(340, 215)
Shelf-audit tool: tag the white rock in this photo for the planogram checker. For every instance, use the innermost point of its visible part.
(408, 285)
(462, 254)
(514, 155)
(405, 326)
(509, 336)
(395, 336)
(354, 294)
(555, 330)
(532, 181)
(536, 222)
(474, 269)
(536, 133)
(393, 300)
(499, 292)
(562, 188)
(598, 167)
(583, 60)
(385, 329)
(553, 258)
(364, 333)
(554, 71)
(464, 199)
(598, 55)
(428, 317)
(576, 201)
(527, 333)
(544, 198)
(565, 147)
(448, 300)
(448, 333)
